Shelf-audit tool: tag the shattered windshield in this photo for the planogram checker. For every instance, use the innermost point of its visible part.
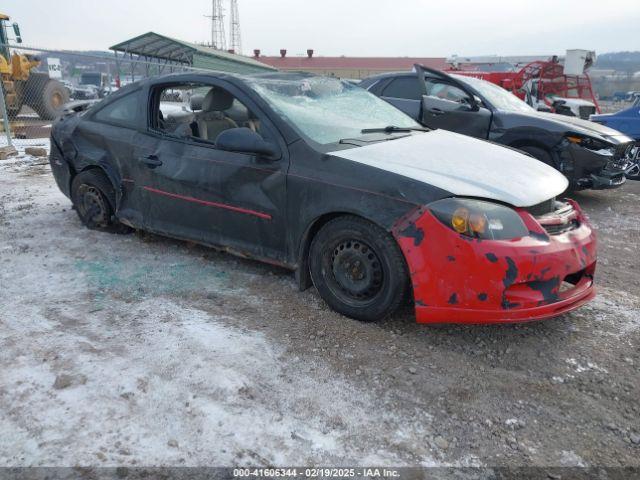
(497, 96)
(327, 110)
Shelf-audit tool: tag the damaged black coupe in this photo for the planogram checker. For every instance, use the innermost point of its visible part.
(588, 154)
(322, 177)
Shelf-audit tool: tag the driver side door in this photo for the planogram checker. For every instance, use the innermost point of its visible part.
(190, 189)
(449, 107)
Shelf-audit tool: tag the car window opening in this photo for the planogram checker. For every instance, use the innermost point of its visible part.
(200, 112)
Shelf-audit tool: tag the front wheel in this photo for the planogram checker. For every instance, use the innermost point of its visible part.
(539, 154)
(358, 269)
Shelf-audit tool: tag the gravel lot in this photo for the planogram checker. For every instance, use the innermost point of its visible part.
(139, 350)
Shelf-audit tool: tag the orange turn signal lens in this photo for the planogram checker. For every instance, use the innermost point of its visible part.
(460, 220)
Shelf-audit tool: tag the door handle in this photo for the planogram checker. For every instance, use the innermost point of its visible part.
(152, 161)
(436, 111)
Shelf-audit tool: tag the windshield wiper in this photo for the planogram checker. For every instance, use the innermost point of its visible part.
(359, 142)
(394, 129)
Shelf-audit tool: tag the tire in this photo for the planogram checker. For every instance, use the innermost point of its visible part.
(358, 269)
(545, 157)
(46, 96)
(539, 154)
(94, 199)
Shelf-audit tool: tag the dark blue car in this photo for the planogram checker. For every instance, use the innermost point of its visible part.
(626, 121)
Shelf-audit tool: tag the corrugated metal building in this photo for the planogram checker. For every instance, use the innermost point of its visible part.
(170, 52)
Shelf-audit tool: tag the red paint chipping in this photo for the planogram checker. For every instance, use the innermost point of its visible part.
(496, 281)
(265, 216)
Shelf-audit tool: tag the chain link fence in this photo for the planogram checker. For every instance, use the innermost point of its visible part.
(42, 81)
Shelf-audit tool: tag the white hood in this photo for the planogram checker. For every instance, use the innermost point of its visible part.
(464, 166)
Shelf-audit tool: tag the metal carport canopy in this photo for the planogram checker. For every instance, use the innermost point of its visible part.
(160, 47)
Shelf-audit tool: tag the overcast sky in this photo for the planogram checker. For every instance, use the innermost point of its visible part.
(345, 27)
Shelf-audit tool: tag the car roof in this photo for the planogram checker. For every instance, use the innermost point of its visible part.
(181, 76)
(406, 73)
(382, 76)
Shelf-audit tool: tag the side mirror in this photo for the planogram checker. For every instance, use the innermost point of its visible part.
(470, 105)
(16, 30)
(543, 108)
(245, 140)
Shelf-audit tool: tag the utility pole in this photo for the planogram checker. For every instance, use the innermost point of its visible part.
(218, 35)
(236, 37)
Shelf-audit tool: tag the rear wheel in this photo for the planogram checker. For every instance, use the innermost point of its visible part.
(94, 199)
(358, 269)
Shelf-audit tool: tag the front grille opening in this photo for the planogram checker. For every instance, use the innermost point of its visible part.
(561, 219)
(560, 229)
(566, 286)
(574, 278)
(571, 281)
(543, 208)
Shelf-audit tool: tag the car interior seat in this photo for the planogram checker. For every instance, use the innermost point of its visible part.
(195, 102)
(212, 119)
(243, 116)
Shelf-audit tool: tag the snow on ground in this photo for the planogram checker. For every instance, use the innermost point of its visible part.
(170, 385)
(136, 350)
(102, 362)
(615, 311)
(21, 143)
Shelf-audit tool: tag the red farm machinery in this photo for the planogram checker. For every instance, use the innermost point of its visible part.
(556, 85)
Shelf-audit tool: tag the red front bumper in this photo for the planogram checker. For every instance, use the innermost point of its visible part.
(457, 279)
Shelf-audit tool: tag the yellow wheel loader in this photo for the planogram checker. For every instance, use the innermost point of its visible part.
(22, 84)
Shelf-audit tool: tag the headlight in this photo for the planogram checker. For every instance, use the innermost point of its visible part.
(591, 143)
(479, 219)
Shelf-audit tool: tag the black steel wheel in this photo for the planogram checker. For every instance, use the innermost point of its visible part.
(356, 271)
(92, 206)
(358, 268)
(93, 197)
